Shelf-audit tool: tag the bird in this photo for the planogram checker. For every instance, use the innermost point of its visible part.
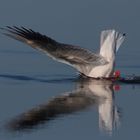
(86, 62)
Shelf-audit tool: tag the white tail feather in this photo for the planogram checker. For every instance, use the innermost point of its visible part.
(110, 43)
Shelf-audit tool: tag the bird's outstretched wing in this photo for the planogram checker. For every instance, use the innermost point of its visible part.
(82, 59)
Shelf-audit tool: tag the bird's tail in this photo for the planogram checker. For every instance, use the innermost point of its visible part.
(110, 43)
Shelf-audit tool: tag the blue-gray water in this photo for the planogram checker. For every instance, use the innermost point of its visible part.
(43, 99)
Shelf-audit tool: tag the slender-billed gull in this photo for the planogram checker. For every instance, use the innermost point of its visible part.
(97, 65)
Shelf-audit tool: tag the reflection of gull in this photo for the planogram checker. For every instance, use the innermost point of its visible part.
(108, 112)
(86, 62)
(88, 93)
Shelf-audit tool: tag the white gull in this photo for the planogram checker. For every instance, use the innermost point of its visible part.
(86, 62)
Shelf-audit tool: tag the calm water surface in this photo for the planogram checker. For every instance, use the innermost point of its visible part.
(37, 105)
(66, 107)
(43, 99)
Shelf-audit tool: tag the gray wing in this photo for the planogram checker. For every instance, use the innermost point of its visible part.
(82, 59)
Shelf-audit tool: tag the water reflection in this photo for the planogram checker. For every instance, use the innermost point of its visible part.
(88, 93)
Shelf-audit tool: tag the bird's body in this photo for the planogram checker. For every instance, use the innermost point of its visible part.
(85, 61)
(102, 71)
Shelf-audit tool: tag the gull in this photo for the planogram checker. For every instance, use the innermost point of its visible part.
(87, 63)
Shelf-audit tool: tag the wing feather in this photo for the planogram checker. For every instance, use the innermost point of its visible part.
(73, 55)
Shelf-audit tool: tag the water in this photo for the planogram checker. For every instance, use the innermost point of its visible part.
(43, 99)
